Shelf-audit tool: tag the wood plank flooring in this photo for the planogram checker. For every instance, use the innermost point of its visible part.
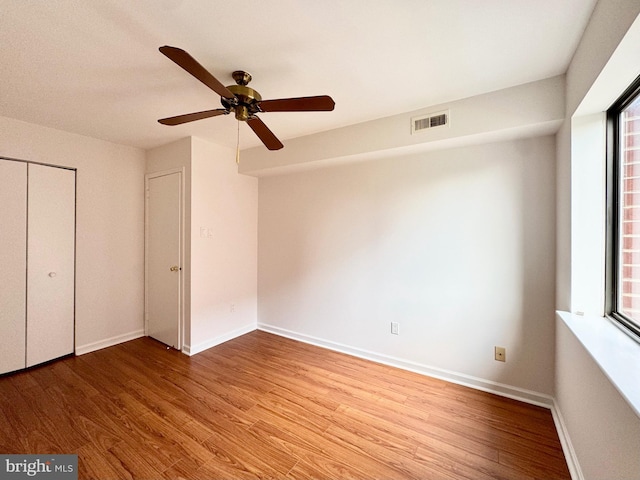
(262, 406)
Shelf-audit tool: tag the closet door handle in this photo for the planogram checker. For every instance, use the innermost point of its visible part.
(52, 274)
(175, 268)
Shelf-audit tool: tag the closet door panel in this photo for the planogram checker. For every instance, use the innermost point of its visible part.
(51, 265)
(13, 264)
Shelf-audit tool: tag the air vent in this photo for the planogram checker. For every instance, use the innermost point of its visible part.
(430, 121)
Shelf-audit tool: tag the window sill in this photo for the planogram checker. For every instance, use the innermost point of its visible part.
(617, 355)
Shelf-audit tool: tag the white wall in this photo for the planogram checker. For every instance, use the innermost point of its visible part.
(109, 226)
(608, 25)
(563, 217)
(224, 264)
(221, 241)
(588, 204)
(455, 245)
(602, 428)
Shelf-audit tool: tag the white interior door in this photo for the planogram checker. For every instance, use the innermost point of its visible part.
(163, 257)
(13, 264)
(50, 263)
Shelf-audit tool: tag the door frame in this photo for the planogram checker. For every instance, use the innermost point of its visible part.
(181, 272)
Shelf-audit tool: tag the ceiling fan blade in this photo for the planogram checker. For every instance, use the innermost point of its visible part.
(191, 117)
(188, 63)
(322, 103)
(266, 135)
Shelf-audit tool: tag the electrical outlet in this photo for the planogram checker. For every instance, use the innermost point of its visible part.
(395, 328)
(500, 354)
(232, 308)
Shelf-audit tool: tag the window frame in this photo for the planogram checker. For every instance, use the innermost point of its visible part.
(613, 221)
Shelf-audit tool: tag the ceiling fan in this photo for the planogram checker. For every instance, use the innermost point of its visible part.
(243, 100)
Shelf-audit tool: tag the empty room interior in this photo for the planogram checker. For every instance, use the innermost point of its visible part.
(301, 239)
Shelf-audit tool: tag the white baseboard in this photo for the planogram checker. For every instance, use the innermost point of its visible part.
(490, 386)
(567, 446)
(109, 342)
(202, 346)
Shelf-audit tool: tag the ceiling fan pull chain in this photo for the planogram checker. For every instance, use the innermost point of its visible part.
(238, 146)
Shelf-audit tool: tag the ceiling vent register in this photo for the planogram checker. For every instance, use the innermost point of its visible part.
(429, 121)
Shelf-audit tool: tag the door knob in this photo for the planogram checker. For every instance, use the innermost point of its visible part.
(175, 268)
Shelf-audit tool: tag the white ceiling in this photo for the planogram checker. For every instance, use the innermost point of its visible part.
(93, 67)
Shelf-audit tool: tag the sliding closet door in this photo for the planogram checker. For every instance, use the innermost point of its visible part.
(13, 264)
(50, 267)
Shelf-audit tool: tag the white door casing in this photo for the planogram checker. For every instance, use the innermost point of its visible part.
(163, 257)
(50, 263)
(13, 264)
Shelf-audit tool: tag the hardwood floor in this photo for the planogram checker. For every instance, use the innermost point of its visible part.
(262, 406)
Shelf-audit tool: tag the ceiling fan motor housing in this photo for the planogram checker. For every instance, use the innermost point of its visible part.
(246, 101)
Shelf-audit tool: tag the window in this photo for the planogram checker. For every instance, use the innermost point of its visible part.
(623, 196)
